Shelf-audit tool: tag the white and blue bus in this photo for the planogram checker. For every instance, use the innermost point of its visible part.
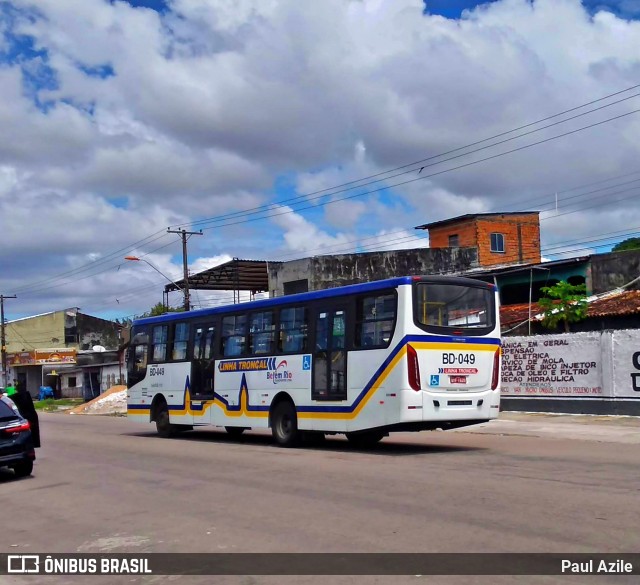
(403, 354)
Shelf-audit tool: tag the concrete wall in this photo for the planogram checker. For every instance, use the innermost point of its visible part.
(67, 328)
(109, 374)
(591, 373)
(39, 331)
(612, 270)
(338, 270)
(95, 331)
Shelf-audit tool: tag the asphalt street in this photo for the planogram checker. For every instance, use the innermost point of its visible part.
(521, 484)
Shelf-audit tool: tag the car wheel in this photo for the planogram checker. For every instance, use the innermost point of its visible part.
(284, 425)
(23, 469)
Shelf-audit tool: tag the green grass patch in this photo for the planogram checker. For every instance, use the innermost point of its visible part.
(50, 404)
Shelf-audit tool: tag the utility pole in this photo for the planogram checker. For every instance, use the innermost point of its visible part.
(3, 339)
(185, 263)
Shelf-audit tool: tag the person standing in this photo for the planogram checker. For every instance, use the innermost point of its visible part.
(25, 405)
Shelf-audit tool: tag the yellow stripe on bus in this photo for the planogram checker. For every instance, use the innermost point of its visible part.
(245, 412)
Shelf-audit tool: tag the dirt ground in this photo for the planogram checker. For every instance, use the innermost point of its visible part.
(113, 401)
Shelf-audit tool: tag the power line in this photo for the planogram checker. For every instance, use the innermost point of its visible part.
(270, 206)
(333, 191)
(461, 166)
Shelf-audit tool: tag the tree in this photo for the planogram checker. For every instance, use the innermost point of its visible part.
(161, 309)
(563, 302)
(628, 244)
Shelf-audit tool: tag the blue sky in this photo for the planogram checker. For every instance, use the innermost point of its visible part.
(453, 8)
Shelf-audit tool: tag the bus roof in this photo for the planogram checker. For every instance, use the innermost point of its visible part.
(310, 296)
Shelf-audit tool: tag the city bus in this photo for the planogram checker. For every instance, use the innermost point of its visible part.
(403, 354)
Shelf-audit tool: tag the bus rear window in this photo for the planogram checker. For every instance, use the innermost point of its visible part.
(439, 307)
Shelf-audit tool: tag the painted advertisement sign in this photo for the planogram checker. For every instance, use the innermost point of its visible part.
(626, 363)
(42, 356)
(268, 373)
(553, 365)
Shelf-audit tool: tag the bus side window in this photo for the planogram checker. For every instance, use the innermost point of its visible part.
(261, 332)
(294, 329)
(137, 357)
(160, 336)
(234, 335)
(375, 320)
(141, 357)
(180, 339)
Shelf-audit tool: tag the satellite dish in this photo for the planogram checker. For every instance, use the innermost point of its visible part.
(98, 348)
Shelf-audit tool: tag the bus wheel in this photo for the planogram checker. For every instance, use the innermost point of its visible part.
(164, 428)
(284, 425)
(235, 432)
(366, 439)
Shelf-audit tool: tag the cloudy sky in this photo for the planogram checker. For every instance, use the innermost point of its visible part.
(284, 129)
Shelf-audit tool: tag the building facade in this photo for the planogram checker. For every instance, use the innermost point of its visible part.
(500, 238)
(40, 348)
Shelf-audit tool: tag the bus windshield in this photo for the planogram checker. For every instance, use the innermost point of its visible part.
(451, 306)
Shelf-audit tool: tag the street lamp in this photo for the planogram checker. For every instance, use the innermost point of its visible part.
(137, 259)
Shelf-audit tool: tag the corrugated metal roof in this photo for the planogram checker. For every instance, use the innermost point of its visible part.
(251, 275)
(625, 303)
(613, 305)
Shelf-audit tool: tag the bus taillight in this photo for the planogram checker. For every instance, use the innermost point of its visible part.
(496, 370)
(414, 368)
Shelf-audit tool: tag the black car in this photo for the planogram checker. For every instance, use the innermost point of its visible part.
(16, 442)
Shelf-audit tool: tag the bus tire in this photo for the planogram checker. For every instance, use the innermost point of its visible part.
(366, 439)
(164, 427)
(235, 432)
(284, 424)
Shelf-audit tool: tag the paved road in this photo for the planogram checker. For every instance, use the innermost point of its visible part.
(104, 484)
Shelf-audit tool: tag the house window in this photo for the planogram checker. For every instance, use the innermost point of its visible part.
(296, 286)
(497, 243)
(454, 241)
(72, 381)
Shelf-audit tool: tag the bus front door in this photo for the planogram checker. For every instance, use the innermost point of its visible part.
(329, 355)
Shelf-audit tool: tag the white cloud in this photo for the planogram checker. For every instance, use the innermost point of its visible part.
(216, 104)
(301, 235)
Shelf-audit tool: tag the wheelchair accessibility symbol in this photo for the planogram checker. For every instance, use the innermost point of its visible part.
(434, 380)
(306, 362)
